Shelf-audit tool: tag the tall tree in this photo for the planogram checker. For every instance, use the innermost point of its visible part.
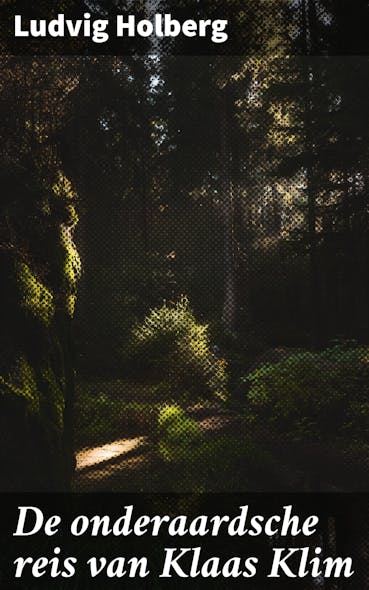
(40, 265)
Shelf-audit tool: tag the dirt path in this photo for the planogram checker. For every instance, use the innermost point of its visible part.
(126, 464)
(111, 467)
(133, 464)
(88, 458)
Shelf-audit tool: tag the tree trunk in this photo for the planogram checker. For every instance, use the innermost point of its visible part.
(227, 207)
(309, 75)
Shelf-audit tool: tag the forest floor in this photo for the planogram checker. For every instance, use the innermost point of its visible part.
(126, 463)
(117, 450)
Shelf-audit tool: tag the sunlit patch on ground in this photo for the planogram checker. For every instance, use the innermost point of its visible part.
(88, 458)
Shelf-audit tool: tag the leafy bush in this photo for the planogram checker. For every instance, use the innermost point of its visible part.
(194, 459)
(318, 395)
(171, 339)
(179, 436)
(104, 417)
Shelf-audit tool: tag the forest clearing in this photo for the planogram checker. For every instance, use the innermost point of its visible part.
(184, 295)
(185, 248)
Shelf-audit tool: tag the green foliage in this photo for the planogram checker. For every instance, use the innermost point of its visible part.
(102, 416)
(53, 396)
(184, 448)
(72, 268)
(26, 388)
(36, 299)
(179, 435)
(195, 458)
(42, 268)
(171, 337)
(314, 394)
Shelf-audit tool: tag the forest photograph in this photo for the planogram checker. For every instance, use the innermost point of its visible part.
(184, 257)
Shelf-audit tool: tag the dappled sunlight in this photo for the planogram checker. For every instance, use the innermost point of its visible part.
(88, 458)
